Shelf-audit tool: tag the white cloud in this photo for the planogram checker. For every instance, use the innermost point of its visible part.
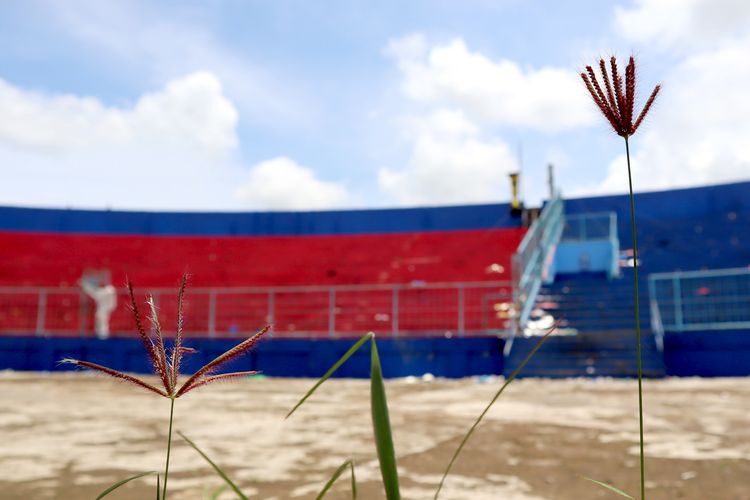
(189, 111)
(683, 24)
(118, 177)
(173, 149)
(698, 132)
(157, 42)
(459, 97)
(450, 162)
(496, 92)
(282, 184)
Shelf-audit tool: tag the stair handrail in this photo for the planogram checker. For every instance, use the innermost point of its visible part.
(531, 264)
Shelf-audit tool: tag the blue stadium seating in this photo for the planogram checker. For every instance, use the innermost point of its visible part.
(685, 229)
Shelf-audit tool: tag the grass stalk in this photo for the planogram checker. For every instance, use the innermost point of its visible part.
(637, 324)
(121, 483)
(609, 487)
(334, 478)
(380, 419)
(381, 425)
(510, 379)
(169, 449)
(216, 468)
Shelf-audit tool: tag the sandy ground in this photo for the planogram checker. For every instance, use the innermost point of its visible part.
(68, 436)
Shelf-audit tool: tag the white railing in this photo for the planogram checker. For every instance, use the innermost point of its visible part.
(415, 309)
(531, 263)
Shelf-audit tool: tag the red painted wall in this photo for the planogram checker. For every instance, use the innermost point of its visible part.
(55, 259)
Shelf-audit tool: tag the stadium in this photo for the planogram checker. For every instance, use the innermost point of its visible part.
(452, 292)
(418, 250)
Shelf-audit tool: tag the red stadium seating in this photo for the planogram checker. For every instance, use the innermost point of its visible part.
(418, 259)
(56, 259)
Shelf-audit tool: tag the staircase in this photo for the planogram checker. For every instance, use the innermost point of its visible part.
(597, 332)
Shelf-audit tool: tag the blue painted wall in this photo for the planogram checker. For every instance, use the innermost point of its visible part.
(452, 358)
(675, 203)
(683, 229)
(569, 256)
(258, 223)
(718, 353)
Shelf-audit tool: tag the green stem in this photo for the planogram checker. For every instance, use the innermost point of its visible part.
(637, 325)
(169, 448)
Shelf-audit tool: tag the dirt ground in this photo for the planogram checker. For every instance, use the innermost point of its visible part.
(68, 436)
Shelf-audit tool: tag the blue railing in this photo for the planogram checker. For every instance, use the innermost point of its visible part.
(700, 300)
(590, 243)
(532, 263)
(590, 226)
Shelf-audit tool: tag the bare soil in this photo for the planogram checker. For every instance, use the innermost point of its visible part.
(69, 436)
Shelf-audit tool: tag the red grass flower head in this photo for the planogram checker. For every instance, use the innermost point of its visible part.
(617, 103)
(168, 369)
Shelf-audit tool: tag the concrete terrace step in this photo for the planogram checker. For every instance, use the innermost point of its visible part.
(594, 323)
(604, 353)
(593, 303)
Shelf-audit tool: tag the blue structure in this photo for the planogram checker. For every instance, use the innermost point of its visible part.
(451, 358)
(679, 230)
(391, 220)
(685, 230)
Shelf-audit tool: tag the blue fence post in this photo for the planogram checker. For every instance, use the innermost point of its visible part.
(677, 295)
(583, 224)
(614, 242)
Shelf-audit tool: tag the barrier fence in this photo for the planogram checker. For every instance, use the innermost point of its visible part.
(590, 226)
(700, 300)
(413, 310)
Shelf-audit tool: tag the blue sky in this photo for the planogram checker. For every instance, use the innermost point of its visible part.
(235, 105)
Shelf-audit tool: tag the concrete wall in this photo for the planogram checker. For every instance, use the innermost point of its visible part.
(453, 358)
(718, 353)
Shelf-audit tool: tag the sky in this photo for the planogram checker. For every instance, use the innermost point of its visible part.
(292, 105)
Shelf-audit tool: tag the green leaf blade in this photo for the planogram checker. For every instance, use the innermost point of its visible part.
(120, 483)
(510, 379)
(331, 370)
(334, 478)
(609, 487)
(218, 469)
(382, 427)
(218, 491)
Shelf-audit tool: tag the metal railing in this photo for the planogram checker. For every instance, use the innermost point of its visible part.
(700, 300)
(532, 261)
(417, 309)
(590, 226)
(600, 227)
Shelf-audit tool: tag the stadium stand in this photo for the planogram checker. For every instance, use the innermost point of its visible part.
(679, 230)
(237, 260)
(434, 283)
(59, 259)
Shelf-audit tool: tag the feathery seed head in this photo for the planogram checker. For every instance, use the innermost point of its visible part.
(619, 101)
(168, 370)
